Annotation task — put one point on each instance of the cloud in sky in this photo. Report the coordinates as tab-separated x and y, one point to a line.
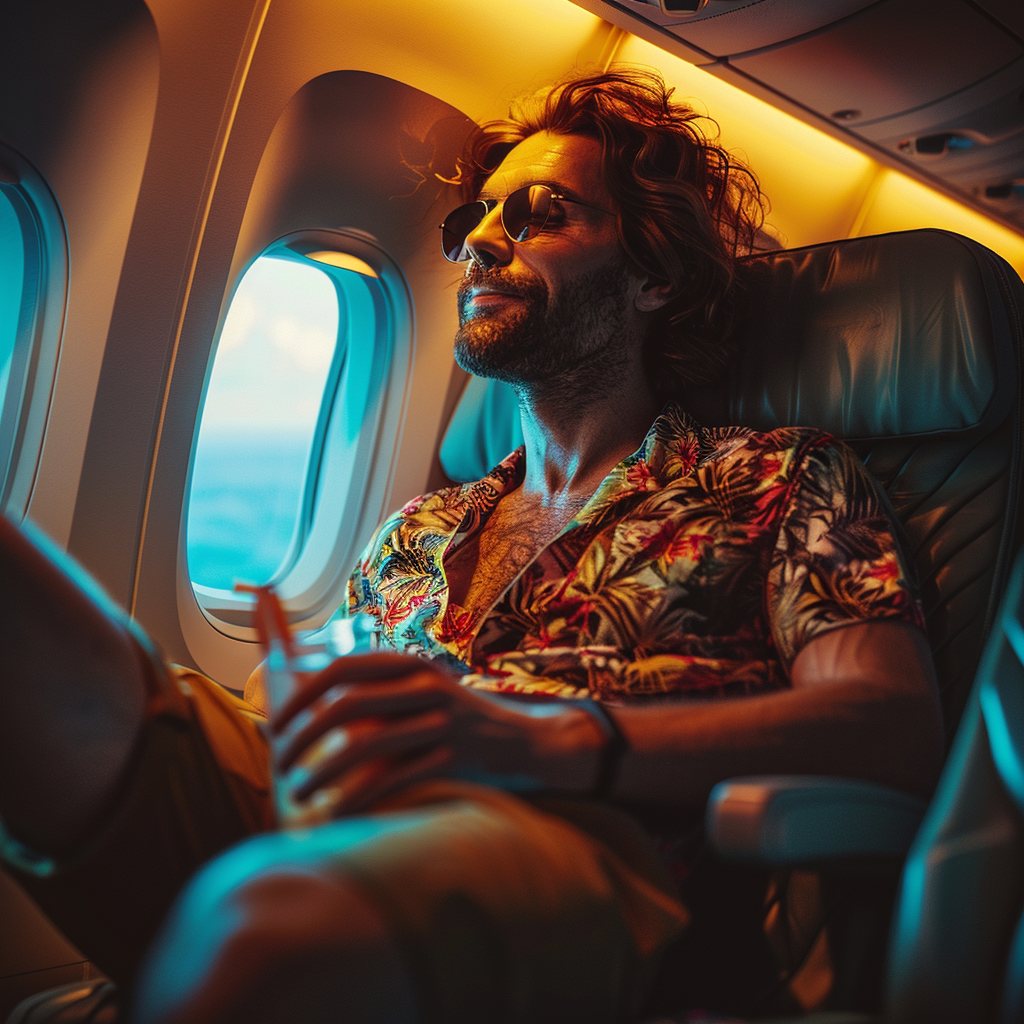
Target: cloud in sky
274	351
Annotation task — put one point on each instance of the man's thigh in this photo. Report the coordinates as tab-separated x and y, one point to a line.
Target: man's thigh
475	883
501	912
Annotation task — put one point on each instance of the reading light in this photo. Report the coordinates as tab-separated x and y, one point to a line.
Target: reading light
342	260
682	7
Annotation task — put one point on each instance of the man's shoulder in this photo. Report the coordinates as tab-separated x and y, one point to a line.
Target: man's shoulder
777	438
678	445
746	444
439	508
446	507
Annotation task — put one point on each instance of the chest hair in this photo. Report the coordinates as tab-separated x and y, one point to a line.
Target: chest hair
482	567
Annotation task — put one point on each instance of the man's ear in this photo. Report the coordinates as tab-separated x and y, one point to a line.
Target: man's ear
653	294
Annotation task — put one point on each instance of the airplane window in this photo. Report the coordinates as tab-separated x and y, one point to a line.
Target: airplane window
32	293
12	259
254	475
290	475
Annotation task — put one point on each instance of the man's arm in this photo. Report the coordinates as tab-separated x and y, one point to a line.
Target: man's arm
863	705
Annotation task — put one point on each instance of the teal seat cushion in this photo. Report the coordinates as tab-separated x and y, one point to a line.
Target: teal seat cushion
483	430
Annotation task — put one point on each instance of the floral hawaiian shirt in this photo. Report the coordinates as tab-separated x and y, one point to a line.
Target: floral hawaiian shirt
700	567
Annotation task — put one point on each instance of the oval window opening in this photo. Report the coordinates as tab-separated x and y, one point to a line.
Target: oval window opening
263	421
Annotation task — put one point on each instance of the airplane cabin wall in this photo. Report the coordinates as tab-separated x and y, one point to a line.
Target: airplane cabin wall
357	151
79	95
78	92
228	107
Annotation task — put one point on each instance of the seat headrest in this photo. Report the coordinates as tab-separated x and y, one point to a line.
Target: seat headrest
891	335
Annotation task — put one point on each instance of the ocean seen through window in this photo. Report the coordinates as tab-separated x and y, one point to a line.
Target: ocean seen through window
262	424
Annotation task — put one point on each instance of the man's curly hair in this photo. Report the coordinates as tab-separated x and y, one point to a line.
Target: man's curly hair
685	208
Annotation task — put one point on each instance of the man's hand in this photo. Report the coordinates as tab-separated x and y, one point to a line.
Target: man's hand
863	704
405	720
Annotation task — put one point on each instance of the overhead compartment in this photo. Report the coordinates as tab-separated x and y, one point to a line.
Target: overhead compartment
726	27
937	85
986	112
885	60
973	140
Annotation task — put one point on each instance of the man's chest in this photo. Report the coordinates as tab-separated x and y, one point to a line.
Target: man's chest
674	565
651	590
479	570
644	567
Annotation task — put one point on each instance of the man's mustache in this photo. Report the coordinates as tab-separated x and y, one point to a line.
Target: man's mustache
501	279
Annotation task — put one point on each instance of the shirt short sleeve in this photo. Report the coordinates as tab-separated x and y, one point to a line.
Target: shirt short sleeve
837	559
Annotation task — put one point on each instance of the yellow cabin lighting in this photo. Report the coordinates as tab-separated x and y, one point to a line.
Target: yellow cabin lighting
819	187
343	260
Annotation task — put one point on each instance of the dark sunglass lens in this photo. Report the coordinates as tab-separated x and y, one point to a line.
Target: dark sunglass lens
457	226
526	212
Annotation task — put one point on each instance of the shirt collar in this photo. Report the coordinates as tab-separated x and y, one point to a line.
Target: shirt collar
668	453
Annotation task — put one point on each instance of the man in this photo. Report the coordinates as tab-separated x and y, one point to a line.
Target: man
500	800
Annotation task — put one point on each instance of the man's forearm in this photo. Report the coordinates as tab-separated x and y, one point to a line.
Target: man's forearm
678	752
880	726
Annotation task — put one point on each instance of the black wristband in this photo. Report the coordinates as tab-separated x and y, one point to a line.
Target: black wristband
615	745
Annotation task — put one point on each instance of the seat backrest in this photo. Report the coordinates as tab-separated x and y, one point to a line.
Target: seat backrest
957	951
908	347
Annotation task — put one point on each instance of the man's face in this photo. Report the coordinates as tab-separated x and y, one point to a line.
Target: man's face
548	307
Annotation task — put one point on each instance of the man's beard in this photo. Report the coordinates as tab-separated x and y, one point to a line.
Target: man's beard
570	346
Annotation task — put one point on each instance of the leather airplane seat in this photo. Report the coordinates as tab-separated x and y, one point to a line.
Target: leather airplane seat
956	950
908	347
957	947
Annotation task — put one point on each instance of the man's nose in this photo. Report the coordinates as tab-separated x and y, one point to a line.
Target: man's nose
487	243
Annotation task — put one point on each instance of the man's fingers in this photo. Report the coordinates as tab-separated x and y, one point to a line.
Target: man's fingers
353	668
374	781
385	700
371	744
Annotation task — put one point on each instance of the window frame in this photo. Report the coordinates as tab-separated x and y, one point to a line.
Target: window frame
329	535
25	405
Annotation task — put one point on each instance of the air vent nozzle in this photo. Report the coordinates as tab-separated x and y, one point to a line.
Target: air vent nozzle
937	145
1005	190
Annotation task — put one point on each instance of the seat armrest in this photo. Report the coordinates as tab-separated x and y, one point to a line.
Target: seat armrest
802	819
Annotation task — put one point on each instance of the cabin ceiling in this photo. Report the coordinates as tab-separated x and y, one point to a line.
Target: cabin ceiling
936	85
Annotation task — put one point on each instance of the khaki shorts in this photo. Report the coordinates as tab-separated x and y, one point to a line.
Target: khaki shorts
566	899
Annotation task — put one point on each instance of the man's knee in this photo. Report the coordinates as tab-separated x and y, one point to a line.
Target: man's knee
259	936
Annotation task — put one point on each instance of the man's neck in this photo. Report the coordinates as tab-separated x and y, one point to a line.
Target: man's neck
572	446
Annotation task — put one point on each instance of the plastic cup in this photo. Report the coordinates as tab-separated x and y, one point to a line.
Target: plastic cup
286	673
291	659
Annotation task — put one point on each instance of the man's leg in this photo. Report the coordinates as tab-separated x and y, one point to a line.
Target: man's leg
72	696
450	903
293	941
118	776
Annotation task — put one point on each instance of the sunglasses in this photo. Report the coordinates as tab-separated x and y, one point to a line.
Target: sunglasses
524	214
